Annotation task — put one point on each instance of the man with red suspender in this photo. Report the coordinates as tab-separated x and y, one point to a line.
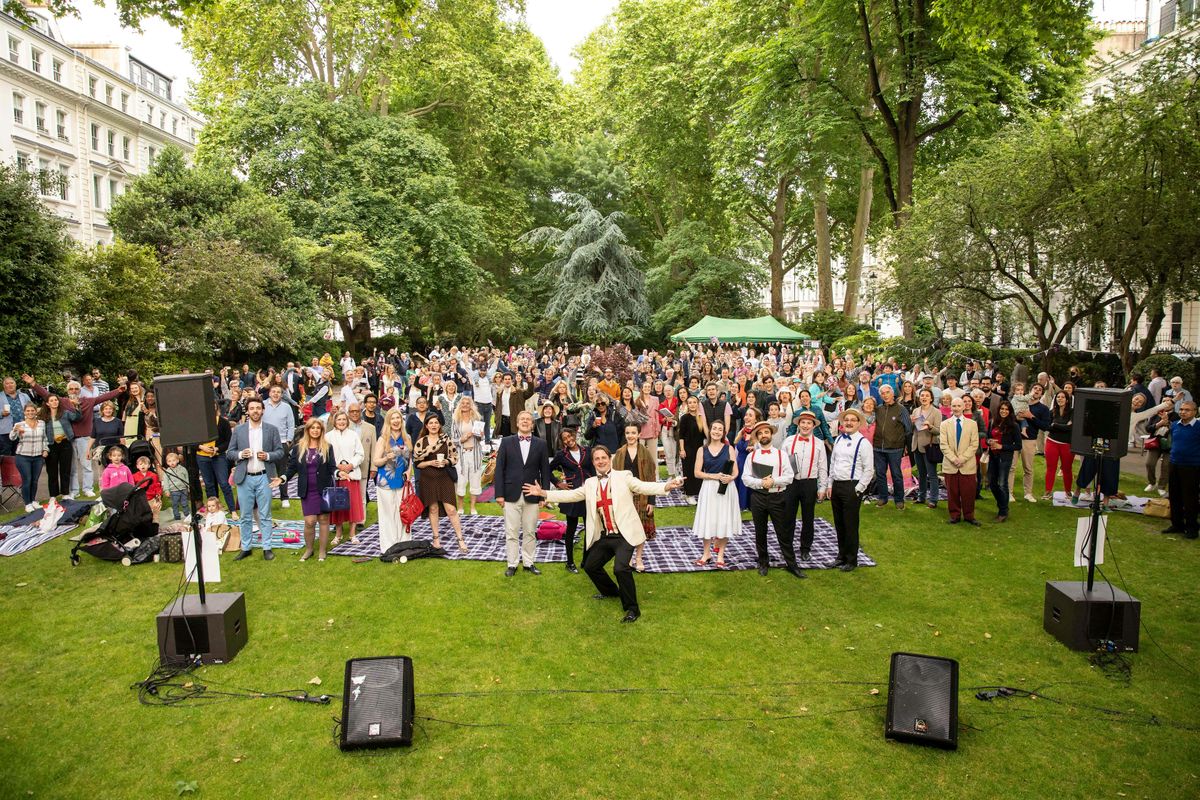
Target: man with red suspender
768	473
810	466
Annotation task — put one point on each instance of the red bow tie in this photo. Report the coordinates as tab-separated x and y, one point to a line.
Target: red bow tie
523	438
805	438
765	451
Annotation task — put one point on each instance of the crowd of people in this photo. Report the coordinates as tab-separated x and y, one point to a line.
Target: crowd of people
771	430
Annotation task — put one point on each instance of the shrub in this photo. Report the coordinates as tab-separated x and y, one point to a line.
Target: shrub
1168	366
859	344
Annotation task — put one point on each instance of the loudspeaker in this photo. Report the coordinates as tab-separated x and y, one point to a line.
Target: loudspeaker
1101	416
377	703
923	700
187	409
215	631
1084	620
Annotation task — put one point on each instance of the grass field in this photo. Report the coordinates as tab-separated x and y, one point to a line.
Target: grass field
754	687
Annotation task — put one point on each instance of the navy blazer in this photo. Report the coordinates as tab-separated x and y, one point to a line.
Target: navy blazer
240	440
298	465
512	474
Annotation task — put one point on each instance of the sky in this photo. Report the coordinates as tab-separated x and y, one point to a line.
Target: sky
561	24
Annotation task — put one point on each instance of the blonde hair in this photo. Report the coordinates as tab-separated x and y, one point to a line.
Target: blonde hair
473	413
306	441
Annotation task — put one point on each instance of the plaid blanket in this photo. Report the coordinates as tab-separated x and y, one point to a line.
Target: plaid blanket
294	489
280	530
1131	504
22	538
674	549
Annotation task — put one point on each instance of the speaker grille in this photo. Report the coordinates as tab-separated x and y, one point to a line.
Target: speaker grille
923	700
377	702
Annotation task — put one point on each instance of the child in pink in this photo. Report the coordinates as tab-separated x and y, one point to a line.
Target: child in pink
116	472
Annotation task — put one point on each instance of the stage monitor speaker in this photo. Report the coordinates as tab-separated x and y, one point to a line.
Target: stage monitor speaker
1100	418
377	703
923	700
187	409
215	630
1084	620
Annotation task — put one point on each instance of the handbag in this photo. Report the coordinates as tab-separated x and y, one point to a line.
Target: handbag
411	508
489	471
648	526
1158	507
335	498
933	452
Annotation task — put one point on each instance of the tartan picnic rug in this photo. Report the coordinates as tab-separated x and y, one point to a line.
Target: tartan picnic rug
22	538
281	529
1131	503
294	489
673	500
674	549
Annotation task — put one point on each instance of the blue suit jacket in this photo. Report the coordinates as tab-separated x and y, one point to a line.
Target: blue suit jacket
240	440
512	473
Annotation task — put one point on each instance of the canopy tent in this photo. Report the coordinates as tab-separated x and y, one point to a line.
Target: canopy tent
739	331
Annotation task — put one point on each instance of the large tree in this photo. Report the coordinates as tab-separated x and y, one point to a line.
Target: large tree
599	290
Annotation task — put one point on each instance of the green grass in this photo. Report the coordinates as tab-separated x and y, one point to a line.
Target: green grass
802	658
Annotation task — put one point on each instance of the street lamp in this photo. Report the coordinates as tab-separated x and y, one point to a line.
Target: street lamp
871	278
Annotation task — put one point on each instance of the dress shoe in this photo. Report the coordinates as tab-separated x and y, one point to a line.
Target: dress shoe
241	555
953	521
598	596
571	568
533	568
794	570
508	573
762	569
631	616
881	503
805	555
839	561
899	506
268	555
974	522
848	567
1171	529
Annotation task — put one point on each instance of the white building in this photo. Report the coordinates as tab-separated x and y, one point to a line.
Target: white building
800	297
86	118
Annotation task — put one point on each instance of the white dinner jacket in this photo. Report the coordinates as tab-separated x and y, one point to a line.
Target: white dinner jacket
621	488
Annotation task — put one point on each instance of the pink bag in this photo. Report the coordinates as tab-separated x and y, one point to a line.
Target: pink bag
551	530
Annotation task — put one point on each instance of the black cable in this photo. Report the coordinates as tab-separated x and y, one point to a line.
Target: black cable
1114	713
656	720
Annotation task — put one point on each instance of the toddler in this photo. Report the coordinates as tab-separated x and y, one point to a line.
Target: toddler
1020	403
175	482
154	490
116	472
213	515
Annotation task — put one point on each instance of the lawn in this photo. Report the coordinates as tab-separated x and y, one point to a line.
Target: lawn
748	686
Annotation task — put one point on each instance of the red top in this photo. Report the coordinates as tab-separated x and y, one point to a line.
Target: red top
154	489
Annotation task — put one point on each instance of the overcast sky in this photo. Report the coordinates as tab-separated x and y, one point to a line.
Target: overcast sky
561	24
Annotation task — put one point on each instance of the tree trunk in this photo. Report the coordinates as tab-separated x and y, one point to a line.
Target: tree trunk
355	332
1155	322
906	157
858	240
778	228
824	246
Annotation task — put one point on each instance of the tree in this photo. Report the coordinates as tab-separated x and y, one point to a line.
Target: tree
33	284
342	271
122	306
689	280
599	291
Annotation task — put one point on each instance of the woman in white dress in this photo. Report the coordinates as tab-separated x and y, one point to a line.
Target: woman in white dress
718	516
466	431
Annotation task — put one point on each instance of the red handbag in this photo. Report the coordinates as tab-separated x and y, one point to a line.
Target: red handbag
411	507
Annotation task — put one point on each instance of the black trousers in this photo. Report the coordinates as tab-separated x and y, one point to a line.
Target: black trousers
802	497
603	550
282	470
773	505
1184	486
846	507
59	458
569	537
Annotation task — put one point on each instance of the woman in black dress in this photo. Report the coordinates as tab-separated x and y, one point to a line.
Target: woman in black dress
692	432
433	455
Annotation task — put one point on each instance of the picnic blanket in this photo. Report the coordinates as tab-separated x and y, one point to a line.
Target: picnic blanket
294	489
674	549
282	529
22	538
1131	504
74	512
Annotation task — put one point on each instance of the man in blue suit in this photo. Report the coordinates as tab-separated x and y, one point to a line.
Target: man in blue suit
254	450
522	458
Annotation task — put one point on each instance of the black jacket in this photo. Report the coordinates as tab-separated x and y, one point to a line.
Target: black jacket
298	465
512	474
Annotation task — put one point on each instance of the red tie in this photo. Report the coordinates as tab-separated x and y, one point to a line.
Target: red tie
523	438
605	506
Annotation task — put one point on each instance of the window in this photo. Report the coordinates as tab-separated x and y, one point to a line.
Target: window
43	177
125	147
22	161
60	123
151	153
64	182
174	125
96	199
1176	323
162	120
96	137
18	108
39	115
14	50
149	113
114	189
108	93
92	85
56	69
112	144
125	102
35	59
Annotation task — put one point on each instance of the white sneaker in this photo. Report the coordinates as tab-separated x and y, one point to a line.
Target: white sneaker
285	503
88	495
30	507
1162	492
691	501
254	529
188	519
68	497
1030	498
1149	487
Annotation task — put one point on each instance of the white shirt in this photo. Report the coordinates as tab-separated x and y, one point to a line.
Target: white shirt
807	457
255	464
505	394
525	444
843	466
781	469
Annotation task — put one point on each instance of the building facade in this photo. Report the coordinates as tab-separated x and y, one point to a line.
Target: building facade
85	119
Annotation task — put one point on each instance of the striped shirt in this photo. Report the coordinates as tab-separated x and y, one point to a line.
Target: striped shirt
33	443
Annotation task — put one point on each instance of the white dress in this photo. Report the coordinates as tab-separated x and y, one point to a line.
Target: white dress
718	516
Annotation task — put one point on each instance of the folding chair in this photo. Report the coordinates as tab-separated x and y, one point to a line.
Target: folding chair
10	481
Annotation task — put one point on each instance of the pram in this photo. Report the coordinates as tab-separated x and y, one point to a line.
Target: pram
129	529
139	448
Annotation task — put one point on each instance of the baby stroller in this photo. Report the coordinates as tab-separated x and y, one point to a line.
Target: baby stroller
129	528
139	448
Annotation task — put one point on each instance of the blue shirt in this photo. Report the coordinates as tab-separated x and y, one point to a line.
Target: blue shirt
1185	444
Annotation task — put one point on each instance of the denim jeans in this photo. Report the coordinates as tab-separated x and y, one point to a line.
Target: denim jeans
928	476
999	466
30	468
485	411
883	460
214	471
82	475
179	504
255	492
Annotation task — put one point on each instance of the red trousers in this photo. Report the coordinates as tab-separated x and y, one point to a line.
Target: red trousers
1058	454
961	491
